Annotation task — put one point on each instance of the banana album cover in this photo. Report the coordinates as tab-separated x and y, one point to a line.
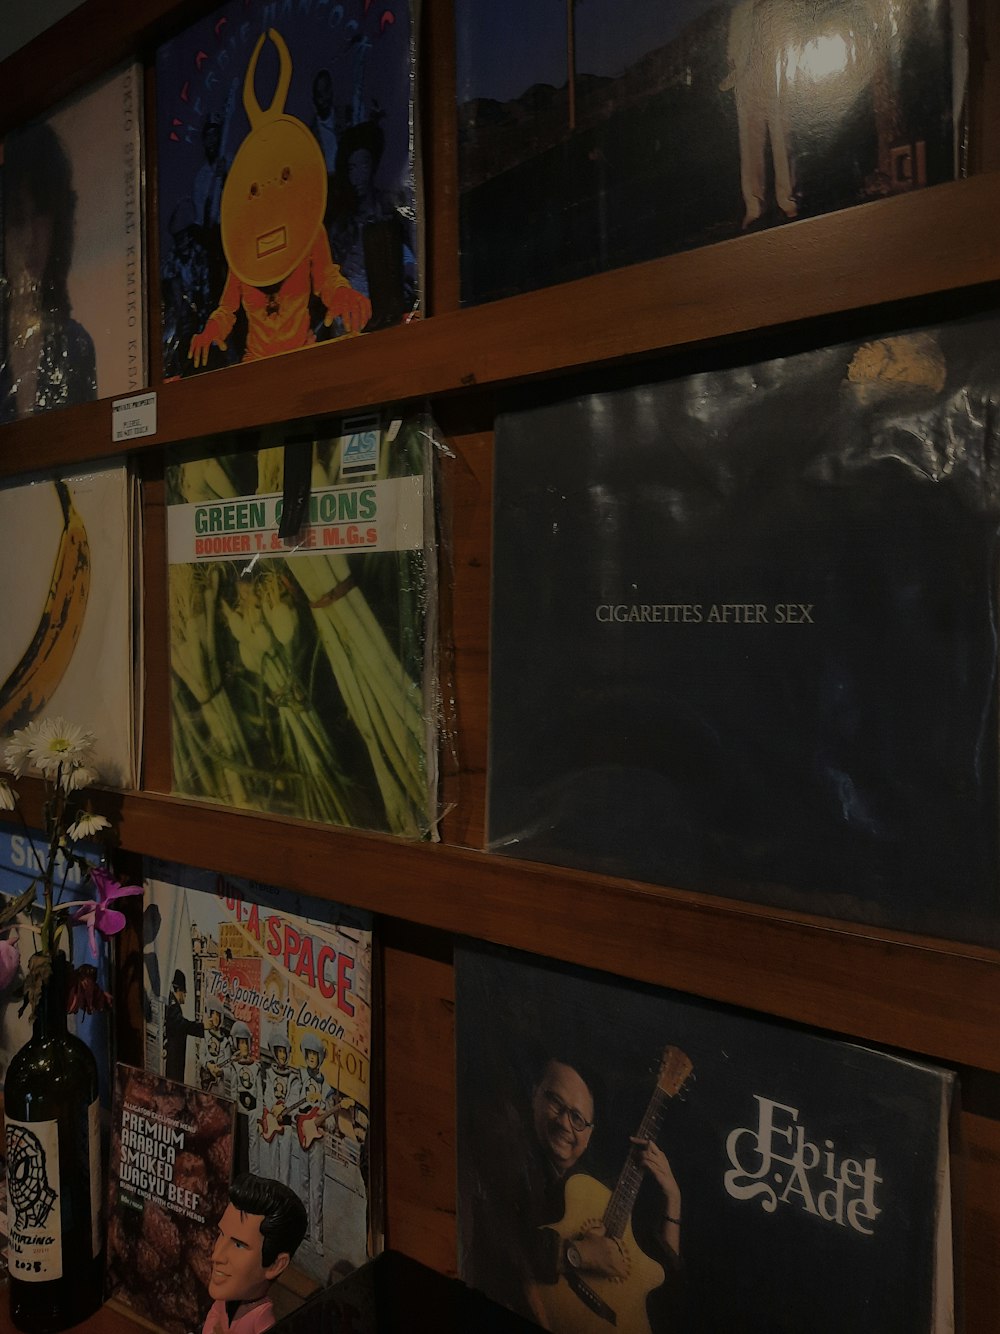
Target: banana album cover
288	181
72	642
265	996
744	627
596	135
73	313
633	1159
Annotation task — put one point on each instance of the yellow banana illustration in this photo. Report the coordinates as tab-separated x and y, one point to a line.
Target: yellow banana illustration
33	681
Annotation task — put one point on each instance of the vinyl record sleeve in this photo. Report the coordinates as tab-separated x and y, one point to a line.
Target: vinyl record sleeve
73	250
72	646
808	1180
744	630
21	854
283	172
303	662
596	135
277	1015
169	1170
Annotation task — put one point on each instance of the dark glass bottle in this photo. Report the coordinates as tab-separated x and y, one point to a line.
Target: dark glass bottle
54	1179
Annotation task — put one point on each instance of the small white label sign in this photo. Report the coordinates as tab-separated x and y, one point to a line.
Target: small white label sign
133	417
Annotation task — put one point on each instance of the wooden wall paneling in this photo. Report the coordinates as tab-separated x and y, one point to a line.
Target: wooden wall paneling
984	82
155	613
978	1223
440	176
466	521
419	1007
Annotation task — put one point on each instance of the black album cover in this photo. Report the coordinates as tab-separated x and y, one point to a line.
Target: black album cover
636	1160
744	630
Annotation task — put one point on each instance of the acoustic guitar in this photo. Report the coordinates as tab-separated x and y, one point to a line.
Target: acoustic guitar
584	1303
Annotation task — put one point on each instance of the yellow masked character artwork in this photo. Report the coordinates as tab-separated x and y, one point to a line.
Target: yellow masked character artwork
273	236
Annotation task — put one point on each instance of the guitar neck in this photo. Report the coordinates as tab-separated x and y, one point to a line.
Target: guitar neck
619	1208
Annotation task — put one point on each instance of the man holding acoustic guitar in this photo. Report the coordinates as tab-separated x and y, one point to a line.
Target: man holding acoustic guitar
554	1243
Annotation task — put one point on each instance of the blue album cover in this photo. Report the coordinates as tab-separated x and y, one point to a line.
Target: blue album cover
21	855
287	195
634	1159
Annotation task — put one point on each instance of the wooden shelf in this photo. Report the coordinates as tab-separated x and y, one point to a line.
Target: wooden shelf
892	251
935	997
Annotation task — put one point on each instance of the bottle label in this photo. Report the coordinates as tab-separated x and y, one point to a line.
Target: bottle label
34	1206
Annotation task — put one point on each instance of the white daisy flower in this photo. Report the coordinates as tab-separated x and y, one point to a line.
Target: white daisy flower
59	742
7	799
79	776
87	825
17	754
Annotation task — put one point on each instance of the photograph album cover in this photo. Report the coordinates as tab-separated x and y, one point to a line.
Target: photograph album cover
73	312
596	135
633	1159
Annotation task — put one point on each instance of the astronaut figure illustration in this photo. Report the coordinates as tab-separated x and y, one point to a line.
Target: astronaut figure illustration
273	237
282	1093
247	1087
307	1150
216	1054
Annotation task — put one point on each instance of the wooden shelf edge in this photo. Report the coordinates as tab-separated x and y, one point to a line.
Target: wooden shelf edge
915	245
868	983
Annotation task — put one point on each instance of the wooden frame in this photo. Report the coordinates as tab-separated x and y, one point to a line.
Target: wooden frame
904	255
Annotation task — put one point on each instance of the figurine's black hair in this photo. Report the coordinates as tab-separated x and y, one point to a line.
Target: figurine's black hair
284	1222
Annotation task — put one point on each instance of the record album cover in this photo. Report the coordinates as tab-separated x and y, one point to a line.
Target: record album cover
634	1159
265	997
744	629
287	182
72	645
74	322
601	134
22	853
303	588
168	1178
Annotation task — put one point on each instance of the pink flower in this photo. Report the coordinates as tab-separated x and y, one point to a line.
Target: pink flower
109	921
10	960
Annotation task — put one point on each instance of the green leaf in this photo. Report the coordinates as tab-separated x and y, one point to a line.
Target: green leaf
12	907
